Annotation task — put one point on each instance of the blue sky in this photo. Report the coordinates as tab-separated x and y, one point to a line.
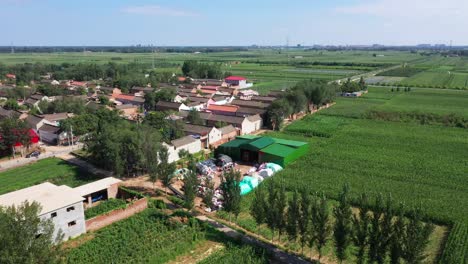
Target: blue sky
238	22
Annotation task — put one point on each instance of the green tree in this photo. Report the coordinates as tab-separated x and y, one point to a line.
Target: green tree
14	131
191	184
386	230
293	215
280	205
104	100
361	228
398	237
417	237
375	230
209	193
165	168
150	148
362	84
11	104
321	220
303	220
194	117
259	207
271	212
25	237
343	224
276	113
231	192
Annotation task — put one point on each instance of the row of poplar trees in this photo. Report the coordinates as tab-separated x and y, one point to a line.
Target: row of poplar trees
377	233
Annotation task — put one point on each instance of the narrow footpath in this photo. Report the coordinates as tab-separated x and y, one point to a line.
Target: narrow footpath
277	254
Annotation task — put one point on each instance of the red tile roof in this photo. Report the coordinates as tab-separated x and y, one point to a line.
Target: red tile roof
210	87
10	76
123	96
235	78
78	83
224	108
208	91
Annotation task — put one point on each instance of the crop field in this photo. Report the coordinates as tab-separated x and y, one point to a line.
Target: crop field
440	102
417	164
439	79
253	56
54	170
434	72
147	237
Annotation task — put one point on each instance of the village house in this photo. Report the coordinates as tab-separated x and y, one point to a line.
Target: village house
60	204
228	133
10	76
250	104
35	121
33	100
55	135
264	99
227	110
170	106
128	99
54	119
237	81
128	111
143	90
247	111
246	125
187	143
4	113
207	135
96	191
109	90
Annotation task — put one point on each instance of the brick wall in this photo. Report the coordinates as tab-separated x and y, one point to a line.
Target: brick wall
113	190
101	221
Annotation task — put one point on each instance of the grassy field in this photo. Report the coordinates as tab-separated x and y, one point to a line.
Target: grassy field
268	69
417	164
54	170
433	71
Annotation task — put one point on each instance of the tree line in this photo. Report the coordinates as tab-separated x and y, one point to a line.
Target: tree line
377	233
122	75
203	70
304	96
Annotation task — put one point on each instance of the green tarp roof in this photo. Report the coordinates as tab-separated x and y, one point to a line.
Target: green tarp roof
278	150
259	143
291	143
235	143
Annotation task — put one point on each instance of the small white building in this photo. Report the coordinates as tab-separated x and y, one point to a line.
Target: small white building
61	204
187	143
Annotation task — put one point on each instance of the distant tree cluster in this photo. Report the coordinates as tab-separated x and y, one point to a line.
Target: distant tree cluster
350	87
123	147
114	74
12	131
379	232
202	70
304	95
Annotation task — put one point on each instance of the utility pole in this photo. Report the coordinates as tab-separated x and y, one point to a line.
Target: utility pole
153	54
71	132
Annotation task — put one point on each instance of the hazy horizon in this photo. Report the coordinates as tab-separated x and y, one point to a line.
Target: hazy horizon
241	23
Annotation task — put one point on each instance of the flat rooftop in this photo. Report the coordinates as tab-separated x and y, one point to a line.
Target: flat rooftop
50	196
96	186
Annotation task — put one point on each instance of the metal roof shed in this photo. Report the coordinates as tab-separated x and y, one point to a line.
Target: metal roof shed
282	154
232	148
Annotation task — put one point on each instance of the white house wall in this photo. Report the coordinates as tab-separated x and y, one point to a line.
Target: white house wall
215	135
173	152
63	218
